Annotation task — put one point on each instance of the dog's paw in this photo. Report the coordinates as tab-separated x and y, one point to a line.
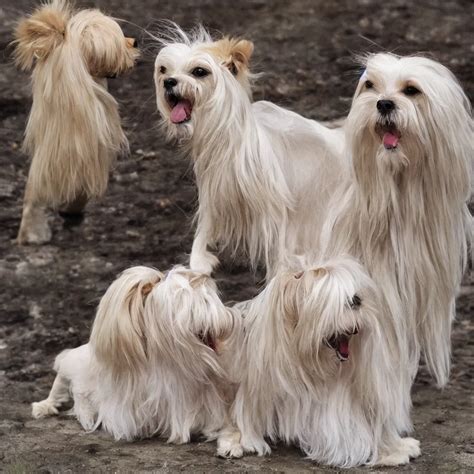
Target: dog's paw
85	412
203	262
393	459
35	233
43	409
87	420
411	446
228	445
259	447
230	450
407	448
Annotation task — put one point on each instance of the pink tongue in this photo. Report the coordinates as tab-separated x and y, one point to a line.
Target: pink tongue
390	140
181	111
344	347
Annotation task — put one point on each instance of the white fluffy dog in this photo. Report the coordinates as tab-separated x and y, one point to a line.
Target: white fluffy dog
264	174
73	133
153	363
317	369
403	212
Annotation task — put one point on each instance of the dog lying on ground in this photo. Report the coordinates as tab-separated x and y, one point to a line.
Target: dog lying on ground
154	362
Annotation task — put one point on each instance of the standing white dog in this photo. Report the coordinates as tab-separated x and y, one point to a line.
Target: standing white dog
153	365
403	212
318	369
264	174
74	132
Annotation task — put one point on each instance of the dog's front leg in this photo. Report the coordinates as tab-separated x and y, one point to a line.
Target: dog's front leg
228	443
201	259
399	453
34	227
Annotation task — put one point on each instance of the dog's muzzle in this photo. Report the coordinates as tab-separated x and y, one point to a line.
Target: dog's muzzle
340	343
181	108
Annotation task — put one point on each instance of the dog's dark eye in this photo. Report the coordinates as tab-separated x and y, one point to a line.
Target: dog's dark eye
411	90
162	69
199	72
369	84
233	69
356	302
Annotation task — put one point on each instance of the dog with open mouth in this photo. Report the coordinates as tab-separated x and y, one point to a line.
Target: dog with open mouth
264	174
74	130
403	211
154	362
317	369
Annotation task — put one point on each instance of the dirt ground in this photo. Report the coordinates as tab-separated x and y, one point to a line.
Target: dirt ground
49	294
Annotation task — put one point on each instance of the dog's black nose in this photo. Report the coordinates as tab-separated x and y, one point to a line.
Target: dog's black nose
170	82
385	106
135	43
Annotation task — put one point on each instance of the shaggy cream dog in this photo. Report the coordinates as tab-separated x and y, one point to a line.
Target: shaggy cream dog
73	133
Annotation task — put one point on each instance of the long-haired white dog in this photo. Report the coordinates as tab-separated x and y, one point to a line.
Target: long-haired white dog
404	212
74	132
153	365
318	371
263	172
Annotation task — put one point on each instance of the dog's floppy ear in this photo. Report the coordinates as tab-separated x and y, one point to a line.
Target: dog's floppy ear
40	33
241	52
118	334
235	53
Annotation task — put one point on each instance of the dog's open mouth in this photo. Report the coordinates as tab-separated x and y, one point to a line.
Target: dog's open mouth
181	108
340	343
389	134
207	340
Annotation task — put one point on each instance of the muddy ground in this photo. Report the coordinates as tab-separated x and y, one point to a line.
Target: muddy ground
48	294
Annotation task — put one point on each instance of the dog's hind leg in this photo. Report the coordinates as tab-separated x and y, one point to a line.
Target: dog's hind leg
34	227
58	395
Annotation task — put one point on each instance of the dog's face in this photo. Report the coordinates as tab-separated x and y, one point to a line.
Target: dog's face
187	322
324	308
194	79
401	108
106	50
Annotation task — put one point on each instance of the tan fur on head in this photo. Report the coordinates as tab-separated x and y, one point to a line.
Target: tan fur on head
233	53
119	334
74	131
40	33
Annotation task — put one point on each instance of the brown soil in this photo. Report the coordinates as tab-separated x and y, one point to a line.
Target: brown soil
49	293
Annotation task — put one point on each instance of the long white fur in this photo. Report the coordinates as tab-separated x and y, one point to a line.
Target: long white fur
257	165
145	371
74	131
404	212
294	388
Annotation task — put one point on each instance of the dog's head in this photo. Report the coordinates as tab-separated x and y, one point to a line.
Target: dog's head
323	308
90	36
106	50
187	323
195	76
405	112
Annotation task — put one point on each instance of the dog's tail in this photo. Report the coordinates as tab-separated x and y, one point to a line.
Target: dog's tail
118	333
40	33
